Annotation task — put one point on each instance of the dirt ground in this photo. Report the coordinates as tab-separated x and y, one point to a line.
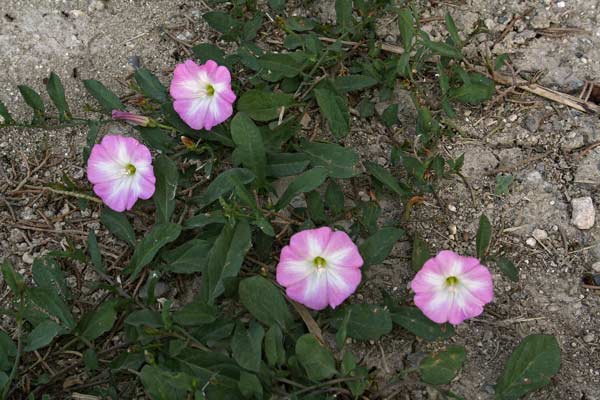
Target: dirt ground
548	148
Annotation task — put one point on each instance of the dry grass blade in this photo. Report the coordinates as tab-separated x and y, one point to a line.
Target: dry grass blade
310	322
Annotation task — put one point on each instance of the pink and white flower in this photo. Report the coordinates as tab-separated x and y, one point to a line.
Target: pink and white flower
120	168
452	288
319	267
202	93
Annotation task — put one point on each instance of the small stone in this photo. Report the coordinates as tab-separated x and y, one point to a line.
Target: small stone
553	308
531	242
584	214
561	4
596	266
451	207
76	13
540	235
513	118
96	5
532	123
27	258
589	338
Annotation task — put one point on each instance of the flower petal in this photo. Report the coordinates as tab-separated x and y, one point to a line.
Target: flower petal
189	81
479	283
102	167
342	251
312	291
341	283
116	194
193	111
435	305
310	243
293	269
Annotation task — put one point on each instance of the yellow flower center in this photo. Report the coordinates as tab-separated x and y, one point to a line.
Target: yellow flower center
130	169
451	281
210	89
319	262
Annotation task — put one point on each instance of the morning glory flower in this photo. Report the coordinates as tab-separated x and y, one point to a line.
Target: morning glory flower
202	93
452	288
131	118
319	267
120	168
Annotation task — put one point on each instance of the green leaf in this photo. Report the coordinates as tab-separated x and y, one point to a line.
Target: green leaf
378	246
281	63
96	323
167	177
224	184
118	225
352	83
147	318
225	259
508	268
305	182
300	24
33	100
195	313
107	99
92	247
203	219
451	26
47	274
207	51
250	386
263	105
441	368
156	138
161	384
41	335
342	331
334	197
274	349
500	61
50	303
502	184
343	16
90	360
6	117
90	139
484	236
386	178
265	302
477	90
530	367
246	346
249	146
340	162
149	245
420	253
13	279
56	91
366	321
251	27
286	164
443	49
335	110
414	321
221	22
317	361
150	85
189	258
315	206
390	115
407	30
8	351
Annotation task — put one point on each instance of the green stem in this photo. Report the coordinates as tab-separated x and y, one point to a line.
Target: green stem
15	368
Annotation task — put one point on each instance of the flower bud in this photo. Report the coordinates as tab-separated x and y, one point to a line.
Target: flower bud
133	119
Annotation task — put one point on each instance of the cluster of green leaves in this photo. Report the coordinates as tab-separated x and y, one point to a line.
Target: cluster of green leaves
251	183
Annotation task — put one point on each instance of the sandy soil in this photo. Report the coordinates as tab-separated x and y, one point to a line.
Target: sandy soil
549	149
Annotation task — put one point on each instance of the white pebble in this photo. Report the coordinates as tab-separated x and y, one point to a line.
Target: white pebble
584	214
531	242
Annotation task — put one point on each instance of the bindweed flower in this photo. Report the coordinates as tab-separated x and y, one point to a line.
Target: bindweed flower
319	267
120	168
202	93
452	288
133	119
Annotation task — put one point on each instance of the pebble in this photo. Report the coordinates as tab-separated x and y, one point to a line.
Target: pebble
531	242
76	13
589	338
96	5
596	266
561	4
584	214
513	118
27	258
540	235
451	207
553	308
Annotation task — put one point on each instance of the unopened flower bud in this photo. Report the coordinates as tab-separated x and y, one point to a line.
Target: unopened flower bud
133	119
